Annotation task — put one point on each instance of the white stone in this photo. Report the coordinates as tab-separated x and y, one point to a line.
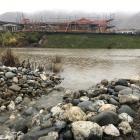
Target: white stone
125	117
69	93
125	127
43	77
82	129
111	130
56	110
15	80
18	100
12	117
84	98
2	108
74	114
1	73
11	106
54	135
8	136
90	115
41	111
107	107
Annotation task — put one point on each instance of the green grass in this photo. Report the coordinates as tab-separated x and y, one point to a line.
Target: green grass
92	41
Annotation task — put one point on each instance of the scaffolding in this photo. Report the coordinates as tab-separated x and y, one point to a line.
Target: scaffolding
66	25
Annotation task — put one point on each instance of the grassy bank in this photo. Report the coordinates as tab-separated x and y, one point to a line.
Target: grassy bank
92	41
70	40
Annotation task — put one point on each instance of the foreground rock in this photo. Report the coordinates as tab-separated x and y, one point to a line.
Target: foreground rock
111	130
125	127
74	114
106	111
84	129
105	118
129	95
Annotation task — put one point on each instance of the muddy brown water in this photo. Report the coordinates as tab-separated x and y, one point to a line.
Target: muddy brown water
83	68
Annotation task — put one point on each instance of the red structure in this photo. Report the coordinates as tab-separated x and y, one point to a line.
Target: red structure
87	25
82	25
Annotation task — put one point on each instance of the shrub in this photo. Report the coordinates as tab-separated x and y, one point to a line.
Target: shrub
57	64
32	37
8	58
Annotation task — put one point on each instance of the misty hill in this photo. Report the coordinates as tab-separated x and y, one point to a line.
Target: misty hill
121	20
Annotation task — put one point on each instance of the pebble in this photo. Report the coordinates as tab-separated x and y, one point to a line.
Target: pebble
84	98
12	117
18	100
56	110
53	134
111	130
2	108
104	82
11	106
125	127
43	77
125	117
15	80
10	75
15	87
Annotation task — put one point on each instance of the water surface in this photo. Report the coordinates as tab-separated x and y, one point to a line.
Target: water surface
84	67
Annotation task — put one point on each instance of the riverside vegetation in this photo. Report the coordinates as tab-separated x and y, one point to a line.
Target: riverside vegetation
47	40
109	110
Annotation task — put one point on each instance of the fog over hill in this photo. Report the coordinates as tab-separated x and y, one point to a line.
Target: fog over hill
121	20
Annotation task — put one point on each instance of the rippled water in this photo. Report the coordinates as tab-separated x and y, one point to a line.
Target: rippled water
84	67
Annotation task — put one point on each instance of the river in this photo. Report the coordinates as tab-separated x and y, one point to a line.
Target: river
83	68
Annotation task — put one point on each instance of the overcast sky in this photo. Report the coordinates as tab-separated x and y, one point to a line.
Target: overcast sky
108	6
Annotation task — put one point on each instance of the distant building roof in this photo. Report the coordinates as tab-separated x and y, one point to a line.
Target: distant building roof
88	21
12	25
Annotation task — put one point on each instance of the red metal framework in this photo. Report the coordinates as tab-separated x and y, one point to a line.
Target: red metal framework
69	26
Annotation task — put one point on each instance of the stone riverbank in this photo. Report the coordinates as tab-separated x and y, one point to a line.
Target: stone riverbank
110	110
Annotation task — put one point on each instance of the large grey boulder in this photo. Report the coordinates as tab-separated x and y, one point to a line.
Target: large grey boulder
122	82
86	106
119	88
91	106
105	118
127	109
